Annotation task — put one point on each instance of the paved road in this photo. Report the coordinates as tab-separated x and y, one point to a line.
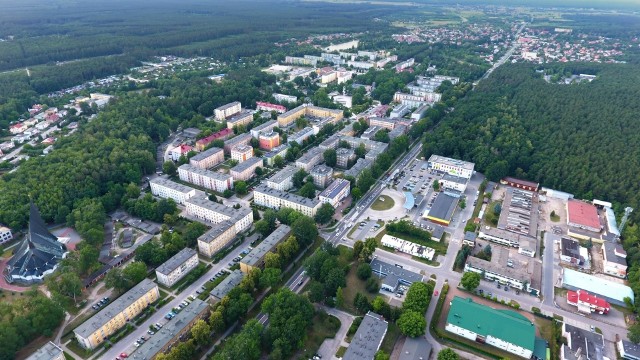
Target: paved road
330	346
507	55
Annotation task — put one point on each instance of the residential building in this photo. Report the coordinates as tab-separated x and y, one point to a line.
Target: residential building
276	199
255	258
400	111
246	169
386	123
179	151
451	166
168	189
469	239
220	135
269	140
307	110
628	350
191	132
583	215
212	212
615	260
336	192
408	247
505	329
405	64
227	284
570	252
264	106
280	150
177	267
217	238
613	292
322	175
587	303
5	234
453	182
49	351
283	179
243	118
18	128
116	315
223	112
353	44
285	98
357	168
345	157
37	255
410	100
442	209
294	60
172	332
330	143
300	136
241	153
393	276
520	184
208	158
370	132
207	179
420	112
368	338
242	139
310	159
266	127
581	344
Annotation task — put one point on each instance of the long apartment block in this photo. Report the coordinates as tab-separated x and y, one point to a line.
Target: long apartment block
276	199
168	189
212	212
255	258
283	179
208	158
177	267
217	238
205	178
114	316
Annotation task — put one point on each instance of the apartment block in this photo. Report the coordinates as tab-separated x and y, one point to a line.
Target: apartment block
223	112
49	351
386	123
168	189
344	156
114	316
285	98
217	238
280	150
288	118
255	258
322	175
269	140
242	153
264	106
177	267
246	169
357	168
336	192
283	179
244	117
5	234
226	285
208	158
223	134
310	159
242	139
300	136
266	127
212	212
276	199
204	178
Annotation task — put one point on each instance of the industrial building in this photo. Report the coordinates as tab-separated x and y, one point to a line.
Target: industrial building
408	247
581	344
393	276
520	184
613	292
583	215
442	209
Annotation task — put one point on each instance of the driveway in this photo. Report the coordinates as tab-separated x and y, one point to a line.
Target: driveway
330	346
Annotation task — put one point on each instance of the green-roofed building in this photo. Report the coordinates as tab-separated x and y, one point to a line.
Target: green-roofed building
504	329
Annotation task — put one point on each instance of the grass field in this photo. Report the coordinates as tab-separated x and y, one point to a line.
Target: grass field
324	327
383	202
354	286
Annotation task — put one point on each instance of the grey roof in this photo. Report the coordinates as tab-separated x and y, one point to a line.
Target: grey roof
239	116
320	170
219	208
176	260
287	196
415	349
470	236
610	252
452	162
498	265
367	339
590	344
191	132
47	352
216	231
246	137
310	155
330	143
226	106
204	172
335	188
116	307
266	125
284	174
344	152
357	168
247	164
275	151
205	154
242	148
172	185
170	330
392	275
631	350
398	130
444	206
227	284
570	247
269	243
453	178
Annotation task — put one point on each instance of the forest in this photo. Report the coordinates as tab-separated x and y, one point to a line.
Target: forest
580	138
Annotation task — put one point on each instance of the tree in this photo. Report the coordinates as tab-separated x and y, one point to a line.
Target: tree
305	230
412	323
216	321
69	284
381	355
360	151
372	285
298	177
262	227
308	190
278	162
324	213
241	187
361	303
356	194
364	271
272	260
335	278
201	333
339	297
330	157
357	248
436	185
418	297
470	280
368	249
244	345
270	277
448	354
316	292
634	333
289	317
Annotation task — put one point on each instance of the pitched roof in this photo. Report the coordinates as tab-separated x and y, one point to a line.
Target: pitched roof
506	325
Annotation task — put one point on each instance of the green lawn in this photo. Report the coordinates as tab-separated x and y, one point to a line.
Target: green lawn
324	327
393	333
341	351
354	286
383	202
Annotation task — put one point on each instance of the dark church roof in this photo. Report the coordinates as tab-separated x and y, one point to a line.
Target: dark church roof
39	251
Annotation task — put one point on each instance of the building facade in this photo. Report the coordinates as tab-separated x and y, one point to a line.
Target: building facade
242	139
217	238
246	169
242	153
209	211
168	189
208	158
266	127
615	260
204	178
451	166
276	199
177	267
5	234
310	159
223	112
243	118
322	175
288	118
283	179
223	134
269	140
336	192
255	258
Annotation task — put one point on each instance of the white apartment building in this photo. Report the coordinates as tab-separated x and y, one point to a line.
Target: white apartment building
5	234
212	212
276	199
241	153
217	238
208	158
338	190
382	122
227	110
310	159
266	127
204	178
285	98
168	189
246	169
451	166
283	179
177	267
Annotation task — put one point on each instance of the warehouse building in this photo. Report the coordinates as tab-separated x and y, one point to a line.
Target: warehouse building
611	291
442	209
582	215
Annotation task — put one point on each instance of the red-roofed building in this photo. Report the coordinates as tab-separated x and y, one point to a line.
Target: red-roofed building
180	150
520	184
582	215
222	135
17	128
264	106
587	303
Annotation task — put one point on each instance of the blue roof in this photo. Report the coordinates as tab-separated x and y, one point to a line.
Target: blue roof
410	200
596	285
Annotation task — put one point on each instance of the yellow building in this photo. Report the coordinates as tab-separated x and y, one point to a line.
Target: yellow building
215	239
115	315
288	118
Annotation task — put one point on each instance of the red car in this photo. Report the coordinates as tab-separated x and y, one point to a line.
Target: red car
124	355
435	293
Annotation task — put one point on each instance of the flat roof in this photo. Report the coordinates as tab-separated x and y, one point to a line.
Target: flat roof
451	162
582	213
506	325
250	162
591	343
455	179
226	106
285	174
521	182
205	154
276	151
368	338
631	349
176	260
570	247
268	244
242	148
301	200
596	285
172	185
228	283
204	172
310	155
105	315
169	331
357	168
216	231
47	352
335	188
238	139
392	275
240	116
321	170
219	208
443	207
268	124
415	349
